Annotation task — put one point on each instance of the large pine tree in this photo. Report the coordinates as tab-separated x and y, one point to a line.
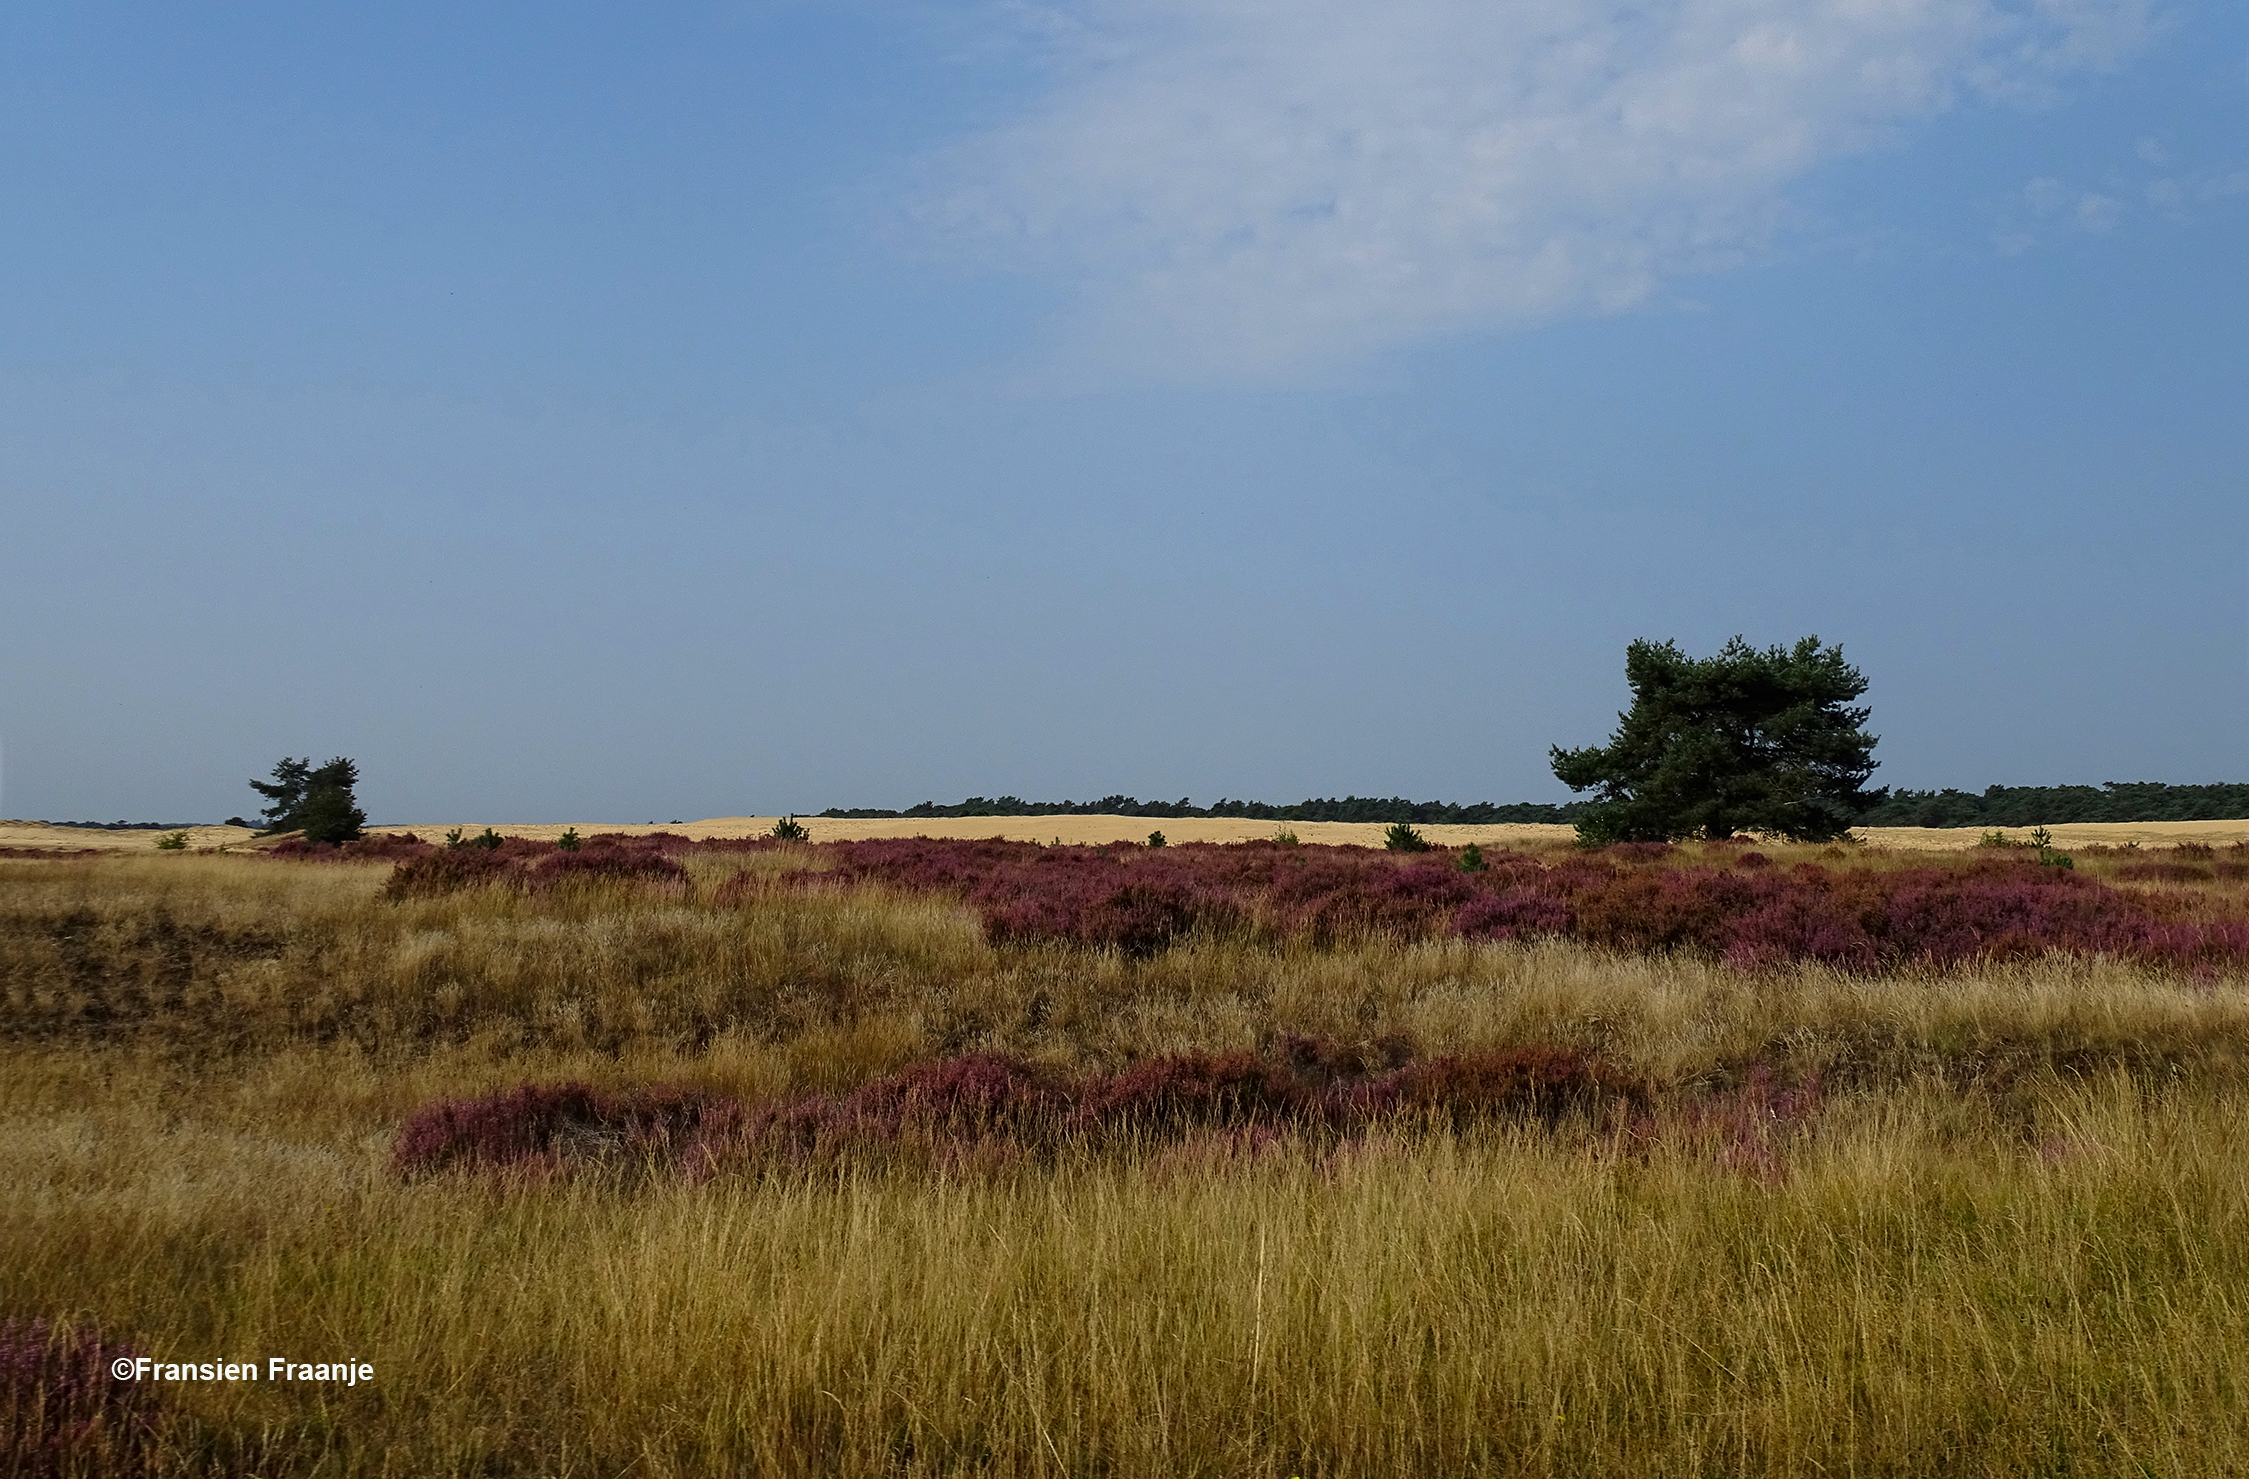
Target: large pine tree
318	803
1747	740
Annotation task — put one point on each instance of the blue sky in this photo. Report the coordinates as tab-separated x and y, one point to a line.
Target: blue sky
632	413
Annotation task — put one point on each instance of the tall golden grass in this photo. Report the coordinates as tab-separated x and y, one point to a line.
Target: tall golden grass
2013	1239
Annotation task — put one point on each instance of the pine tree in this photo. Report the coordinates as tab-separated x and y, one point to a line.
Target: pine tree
1745	740
286	795
318	802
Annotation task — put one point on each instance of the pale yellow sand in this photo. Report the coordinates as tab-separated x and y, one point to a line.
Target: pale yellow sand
1125	829
34	834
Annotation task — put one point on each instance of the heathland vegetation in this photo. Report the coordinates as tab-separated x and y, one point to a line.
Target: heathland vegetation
928	1158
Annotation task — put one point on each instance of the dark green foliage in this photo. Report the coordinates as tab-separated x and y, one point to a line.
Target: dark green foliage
318	803
1156	839
1403	838
2048	857
2033	806
1759	740
172	842
1471	859
1348	809
568	841
285	794
331	815
789	829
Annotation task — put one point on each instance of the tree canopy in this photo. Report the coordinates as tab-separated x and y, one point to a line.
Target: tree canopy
318	802
1746	740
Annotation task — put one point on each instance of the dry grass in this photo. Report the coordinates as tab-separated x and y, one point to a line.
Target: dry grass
2012	1241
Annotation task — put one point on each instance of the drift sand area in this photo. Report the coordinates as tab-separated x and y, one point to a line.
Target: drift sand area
1102	829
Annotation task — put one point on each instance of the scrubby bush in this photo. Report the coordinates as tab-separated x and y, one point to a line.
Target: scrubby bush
993	1108
531	866
172	842
539	1130
444	871
1401	837
597	864
789	829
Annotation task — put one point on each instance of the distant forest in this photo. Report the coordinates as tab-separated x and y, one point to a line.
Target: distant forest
2035	806
1996	806
1349	809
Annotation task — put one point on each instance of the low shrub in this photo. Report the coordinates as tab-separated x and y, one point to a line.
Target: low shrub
444	871
602	864
529	866
991	1109
1190	1091
1746	1126
1401	837
543	1130
370	847
1543	1085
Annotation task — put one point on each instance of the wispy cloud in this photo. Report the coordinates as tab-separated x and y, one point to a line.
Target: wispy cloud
1263	186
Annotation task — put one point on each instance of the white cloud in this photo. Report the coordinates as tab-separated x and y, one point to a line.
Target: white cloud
1263	186
2027	215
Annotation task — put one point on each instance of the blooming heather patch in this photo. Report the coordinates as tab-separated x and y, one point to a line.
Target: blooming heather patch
62	1412
530	866
445	871
594	864
541	1130
1748	1126
1633	898
990	1109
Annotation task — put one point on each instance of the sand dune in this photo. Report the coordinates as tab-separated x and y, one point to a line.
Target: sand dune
1118	829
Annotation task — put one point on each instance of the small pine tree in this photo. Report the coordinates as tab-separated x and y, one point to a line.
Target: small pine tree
1156	839
1471	859
1403	838
568	841
789	829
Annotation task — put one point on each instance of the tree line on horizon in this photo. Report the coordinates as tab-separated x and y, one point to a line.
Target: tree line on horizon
2042	806
1995	806
1330	809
